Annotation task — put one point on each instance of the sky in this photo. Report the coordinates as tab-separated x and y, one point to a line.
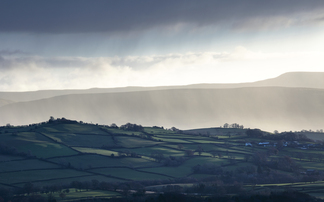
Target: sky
81	44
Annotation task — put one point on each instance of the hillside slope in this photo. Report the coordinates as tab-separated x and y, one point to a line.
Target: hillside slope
5	102
291	79
267	108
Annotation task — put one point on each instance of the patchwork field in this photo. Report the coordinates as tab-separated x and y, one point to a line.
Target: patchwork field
65	154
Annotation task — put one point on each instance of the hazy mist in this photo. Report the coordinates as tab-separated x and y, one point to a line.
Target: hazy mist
268	108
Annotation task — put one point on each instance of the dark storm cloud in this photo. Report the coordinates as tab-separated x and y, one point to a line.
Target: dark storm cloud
79	16
12	52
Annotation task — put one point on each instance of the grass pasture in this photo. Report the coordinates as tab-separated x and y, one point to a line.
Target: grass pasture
117	131
131	142
130	174
208	141
47	150
315	188
160	187
177	172
173	140
311	165
62	153
216	131
201	176
69	180
91	140
22	138
4	158
95	151
156	131
86	161
27	164
137	162
85	195
147	151
36	145
72	128
91	161
38	175
314	135
203	160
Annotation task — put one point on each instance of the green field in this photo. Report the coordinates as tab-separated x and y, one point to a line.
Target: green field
38	175
9	158
73	128
177	172
147	151
127	173
95	151
60	153
131	142
72	139
90	161
66	181
25	165
83	194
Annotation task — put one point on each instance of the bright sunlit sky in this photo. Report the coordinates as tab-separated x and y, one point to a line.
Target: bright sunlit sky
79	44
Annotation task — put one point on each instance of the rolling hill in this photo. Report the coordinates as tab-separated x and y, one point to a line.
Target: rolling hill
84	160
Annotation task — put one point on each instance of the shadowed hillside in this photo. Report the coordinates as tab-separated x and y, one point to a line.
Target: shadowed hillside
268	108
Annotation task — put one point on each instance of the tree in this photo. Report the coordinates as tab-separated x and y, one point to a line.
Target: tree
199	150
158	156
246	157
28	188
214	153
174	129
226	125
51	119
280	145
62	195
51	198
95	184
254	133
132	127
300	156
189	152
113	125
180	146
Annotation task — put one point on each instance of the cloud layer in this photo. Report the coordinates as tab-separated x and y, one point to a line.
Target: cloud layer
28	72
84	16
108	43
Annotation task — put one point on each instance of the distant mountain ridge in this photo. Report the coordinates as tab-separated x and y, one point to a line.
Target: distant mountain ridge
292	101
268	108
5	102
291	79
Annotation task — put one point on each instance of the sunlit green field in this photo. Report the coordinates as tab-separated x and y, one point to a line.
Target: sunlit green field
83	194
